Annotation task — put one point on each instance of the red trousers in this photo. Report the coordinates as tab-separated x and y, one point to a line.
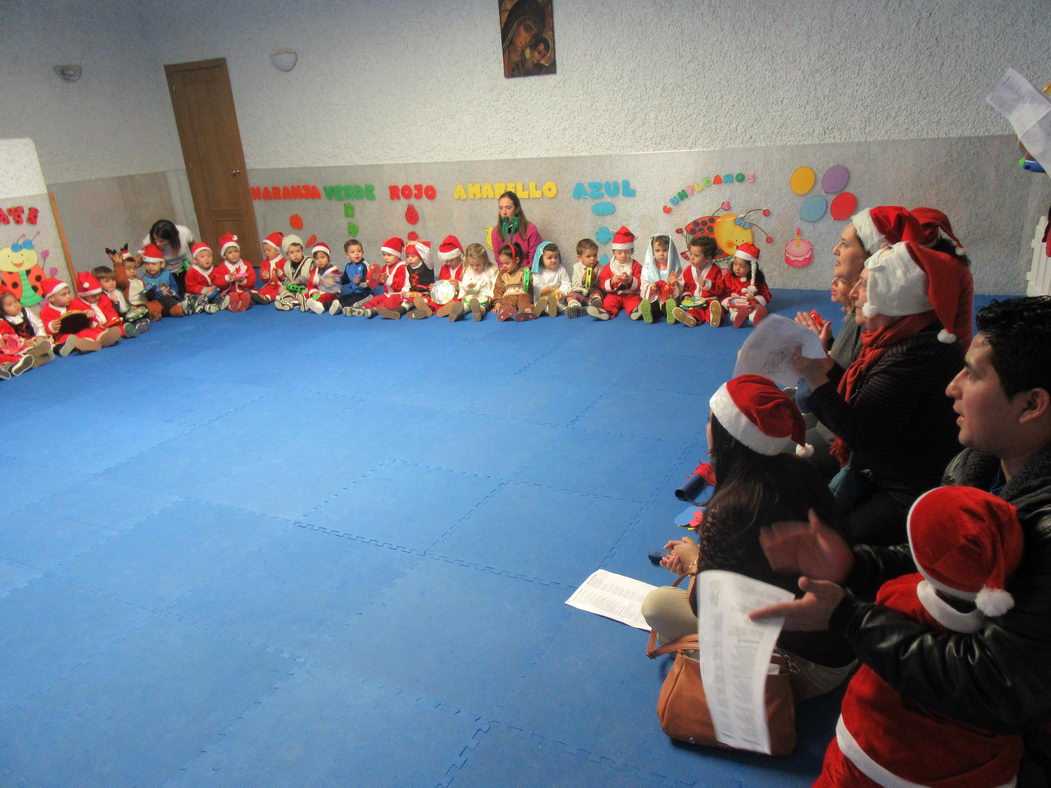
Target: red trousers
614	303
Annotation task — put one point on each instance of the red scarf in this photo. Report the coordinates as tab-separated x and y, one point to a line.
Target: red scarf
873	345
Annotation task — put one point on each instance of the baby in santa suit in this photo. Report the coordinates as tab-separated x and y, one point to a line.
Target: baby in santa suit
274	269
620	279
965	542
89	289
234	277
59	299
703	285
747	292
393	277
202	295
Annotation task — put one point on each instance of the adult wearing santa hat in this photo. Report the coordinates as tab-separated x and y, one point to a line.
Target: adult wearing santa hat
756	439
895	429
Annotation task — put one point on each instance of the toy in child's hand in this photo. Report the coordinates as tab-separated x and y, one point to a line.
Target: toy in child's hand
818	320
12	344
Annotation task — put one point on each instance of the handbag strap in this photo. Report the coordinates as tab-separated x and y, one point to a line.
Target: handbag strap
685	643
651	651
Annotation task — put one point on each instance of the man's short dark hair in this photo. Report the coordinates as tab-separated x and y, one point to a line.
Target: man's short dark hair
1018	331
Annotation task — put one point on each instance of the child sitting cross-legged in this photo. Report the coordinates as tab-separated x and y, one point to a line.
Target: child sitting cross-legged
294	286
476	286
158	283
445	292
550	281
70	321
137	315
24	324
660	279
354	288
620	280
421	276
703	284
202	294
234	277
584	285
511	294
102	311
273	270
392	277
323	283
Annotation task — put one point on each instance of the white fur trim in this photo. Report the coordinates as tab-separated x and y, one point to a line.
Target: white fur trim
944	613
871	238
804	451
388	250
745	256
946	337
56	289
897	286
760	299
869	310
225	246
743	429
622	246
994	601
447	256
268	242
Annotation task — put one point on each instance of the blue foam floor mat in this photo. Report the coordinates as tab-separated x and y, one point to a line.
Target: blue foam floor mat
289	549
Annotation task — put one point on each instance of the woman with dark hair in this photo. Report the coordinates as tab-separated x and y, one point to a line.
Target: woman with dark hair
513	227
755	433
174	240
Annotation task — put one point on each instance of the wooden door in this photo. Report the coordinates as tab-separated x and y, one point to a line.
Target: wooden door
211	147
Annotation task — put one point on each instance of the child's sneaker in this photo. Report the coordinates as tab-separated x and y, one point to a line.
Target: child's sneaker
68	346
739	317
636	313
715	313
335	308
419	314
574	310
598	312
211	309
284	303
389	314
477	312
225	303
130	330
144	324
525	315
455	311
684	317
506	313
316	306
421	309
552	307
5	370
349	311
446	309
669	311
758	315
20	366
540	306
646	310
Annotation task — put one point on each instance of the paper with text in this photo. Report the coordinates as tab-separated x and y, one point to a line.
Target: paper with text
613	596
769	350
1028	111
735	655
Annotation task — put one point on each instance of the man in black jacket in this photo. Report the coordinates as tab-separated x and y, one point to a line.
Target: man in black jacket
998	678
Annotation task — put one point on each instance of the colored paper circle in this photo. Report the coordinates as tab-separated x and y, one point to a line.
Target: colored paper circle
813	208
603	235
295	221
843	206
835	179
802	180
603	208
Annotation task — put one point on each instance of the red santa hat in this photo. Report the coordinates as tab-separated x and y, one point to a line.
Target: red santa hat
274	239
450	249
321	246
226	241
966	542
749	252
761	416
934	224
885	224
52	285
394	246
422	250
908	279
198	248
623	239
151	253
88	283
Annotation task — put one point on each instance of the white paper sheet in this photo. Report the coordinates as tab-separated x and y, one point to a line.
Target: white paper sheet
1028	111
769	350
613	596
735	655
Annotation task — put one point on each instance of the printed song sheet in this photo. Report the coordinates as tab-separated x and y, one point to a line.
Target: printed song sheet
1028	111
735	655
769	350
613	596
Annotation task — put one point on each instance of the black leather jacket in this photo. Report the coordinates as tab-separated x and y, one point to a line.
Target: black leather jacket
996	679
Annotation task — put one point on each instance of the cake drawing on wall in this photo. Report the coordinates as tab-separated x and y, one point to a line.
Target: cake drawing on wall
527	32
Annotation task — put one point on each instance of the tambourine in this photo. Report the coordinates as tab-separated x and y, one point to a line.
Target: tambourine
136	313
740	302
295	288
73	321
11	344
443	291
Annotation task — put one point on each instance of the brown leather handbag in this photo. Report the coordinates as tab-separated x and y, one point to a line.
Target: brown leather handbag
682	707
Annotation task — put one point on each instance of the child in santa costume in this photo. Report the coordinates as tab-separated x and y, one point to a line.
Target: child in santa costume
323	283
703	285
24	324
89	290
661	279
965	542
234	277
59	300
294	286
620	280
14	356
202	294
274	269
445	298
551	283
512	293
354	289
476	286
584	283
746	292
418	304
393	278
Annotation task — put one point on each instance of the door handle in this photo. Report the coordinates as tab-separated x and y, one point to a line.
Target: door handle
235	172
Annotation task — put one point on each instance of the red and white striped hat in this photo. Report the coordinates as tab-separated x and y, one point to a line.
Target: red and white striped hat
761	416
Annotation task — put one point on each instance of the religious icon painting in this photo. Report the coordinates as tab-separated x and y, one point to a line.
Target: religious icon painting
528	37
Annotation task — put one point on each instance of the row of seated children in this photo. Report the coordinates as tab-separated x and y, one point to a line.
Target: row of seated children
406	282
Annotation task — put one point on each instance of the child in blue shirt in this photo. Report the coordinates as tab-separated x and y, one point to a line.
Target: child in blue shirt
355	289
